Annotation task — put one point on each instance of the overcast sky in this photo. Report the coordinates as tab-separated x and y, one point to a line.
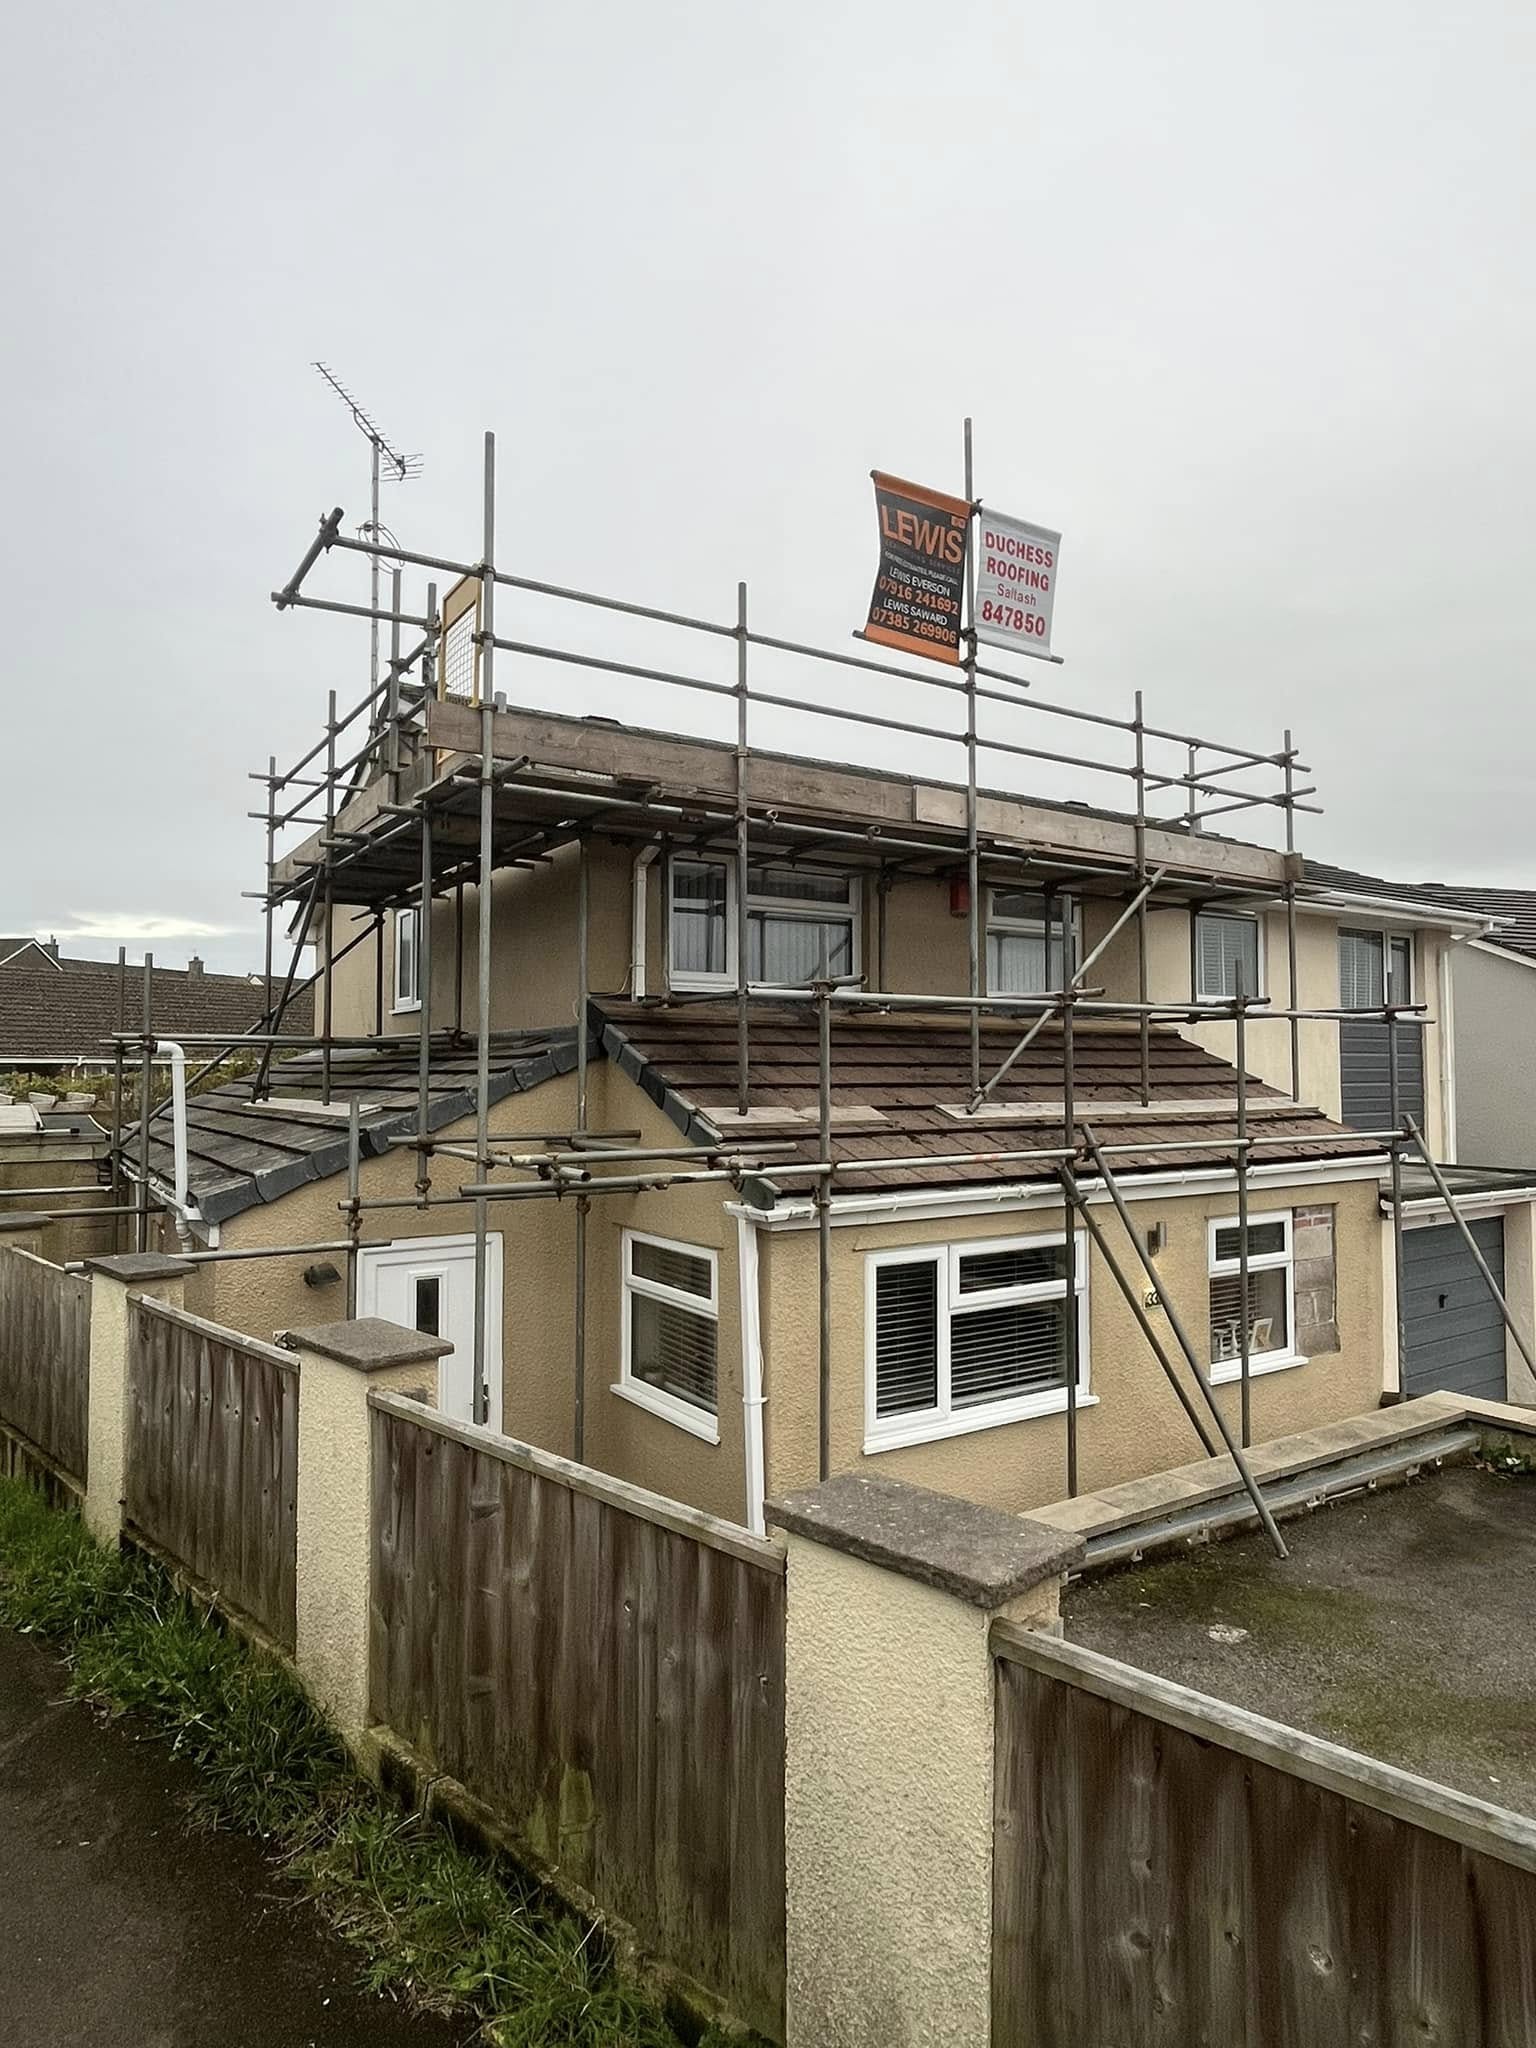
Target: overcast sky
1239	296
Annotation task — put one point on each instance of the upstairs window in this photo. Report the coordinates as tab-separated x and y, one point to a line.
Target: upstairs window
1271	1295
801	922
408	958
963	1337
1374	968
702	948
1032	944
1226	943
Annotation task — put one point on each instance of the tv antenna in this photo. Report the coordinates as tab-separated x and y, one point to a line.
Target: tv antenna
387	463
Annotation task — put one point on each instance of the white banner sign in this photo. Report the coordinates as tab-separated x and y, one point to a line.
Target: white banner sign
1015	582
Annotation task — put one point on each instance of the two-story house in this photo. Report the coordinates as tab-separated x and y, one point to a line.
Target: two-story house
722	1316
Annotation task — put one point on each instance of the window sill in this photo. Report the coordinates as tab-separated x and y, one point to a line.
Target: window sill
935	1429
1230	1370
697	1421
405	1009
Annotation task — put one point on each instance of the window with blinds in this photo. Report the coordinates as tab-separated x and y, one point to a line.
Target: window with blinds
1226	945
801	923
1032	945
671	1327
965	1336
1374	968
1271	1293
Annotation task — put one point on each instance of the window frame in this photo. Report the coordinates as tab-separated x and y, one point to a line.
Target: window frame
1260	951
1228	1370
932	1425
1033	928
407	1001
683	1414
1388	935
797	908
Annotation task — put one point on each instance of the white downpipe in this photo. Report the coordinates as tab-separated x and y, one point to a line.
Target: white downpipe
1448	1048
751	1368
643	861
178	1060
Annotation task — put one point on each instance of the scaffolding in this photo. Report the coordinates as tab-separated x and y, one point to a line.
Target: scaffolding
402	813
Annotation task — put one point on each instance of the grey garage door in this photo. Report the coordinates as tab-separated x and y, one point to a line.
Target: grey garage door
1455	1334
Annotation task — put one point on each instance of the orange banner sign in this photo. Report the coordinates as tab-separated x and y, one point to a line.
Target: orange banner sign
920	583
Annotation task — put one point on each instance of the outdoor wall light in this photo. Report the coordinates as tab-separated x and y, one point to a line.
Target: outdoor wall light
1157	1239
320	1276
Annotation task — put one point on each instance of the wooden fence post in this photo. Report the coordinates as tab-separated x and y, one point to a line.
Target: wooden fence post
339	1363
889	1708
114	1281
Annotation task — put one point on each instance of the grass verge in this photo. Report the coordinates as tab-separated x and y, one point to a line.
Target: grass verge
436	1923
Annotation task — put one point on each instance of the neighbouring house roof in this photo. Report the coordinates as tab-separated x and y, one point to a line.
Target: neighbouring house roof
1514	908
67	1010
241	1152
900	1082
1425	897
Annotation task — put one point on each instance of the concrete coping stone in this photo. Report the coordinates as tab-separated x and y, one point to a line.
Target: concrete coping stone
138	1268
366	1343
979	1554
23	1219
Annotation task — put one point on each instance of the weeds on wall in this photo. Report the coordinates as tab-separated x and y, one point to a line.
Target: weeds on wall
435	1922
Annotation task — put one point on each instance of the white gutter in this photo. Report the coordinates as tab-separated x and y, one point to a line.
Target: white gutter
643	860
178	1137
983	1198
751	1368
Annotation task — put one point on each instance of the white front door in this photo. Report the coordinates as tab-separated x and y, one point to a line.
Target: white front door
428	1283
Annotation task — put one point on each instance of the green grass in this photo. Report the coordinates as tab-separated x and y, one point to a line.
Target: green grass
435	1922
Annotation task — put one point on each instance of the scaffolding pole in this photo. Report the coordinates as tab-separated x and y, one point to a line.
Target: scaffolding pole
487	862
972	802
1234	1450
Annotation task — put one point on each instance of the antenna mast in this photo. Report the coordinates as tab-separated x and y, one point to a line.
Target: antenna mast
386	460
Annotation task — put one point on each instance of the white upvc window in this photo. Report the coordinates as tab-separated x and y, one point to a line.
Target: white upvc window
1375	968
1224	941
670	1343
801	922
408	958
1029	951
1271	1295
963	1337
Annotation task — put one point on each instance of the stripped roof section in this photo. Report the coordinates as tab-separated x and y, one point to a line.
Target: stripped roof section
914	1070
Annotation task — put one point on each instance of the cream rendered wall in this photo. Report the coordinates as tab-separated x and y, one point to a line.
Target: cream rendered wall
261	1296
533	949
1137	1426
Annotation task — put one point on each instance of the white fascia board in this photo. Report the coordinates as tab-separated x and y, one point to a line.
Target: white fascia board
1014	1196
1424	1210
1335	900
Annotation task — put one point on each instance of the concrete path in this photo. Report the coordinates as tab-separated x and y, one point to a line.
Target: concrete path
119	1929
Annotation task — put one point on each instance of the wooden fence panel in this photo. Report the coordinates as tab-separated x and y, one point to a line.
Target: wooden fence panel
45	1357
212	1458
1154	1886
609	1682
